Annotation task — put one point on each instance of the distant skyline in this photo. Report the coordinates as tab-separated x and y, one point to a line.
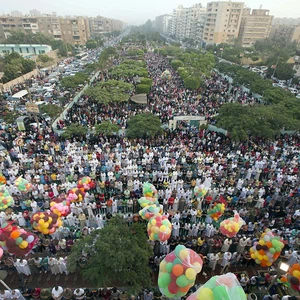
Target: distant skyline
136	12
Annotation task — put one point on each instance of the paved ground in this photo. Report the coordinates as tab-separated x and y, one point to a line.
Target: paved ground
13	280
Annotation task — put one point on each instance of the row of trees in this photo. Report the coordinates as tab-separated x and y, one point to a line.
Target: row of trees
254	82
264	52
192	65
130	68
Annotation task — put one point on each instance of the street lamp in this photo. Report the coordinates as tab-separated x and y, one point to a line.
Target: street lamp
282	269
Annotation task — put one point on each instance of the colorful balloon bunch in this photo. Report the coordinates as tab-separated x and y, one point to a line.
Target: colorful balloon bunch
85	183
166	75
217	211
292	278
199	192
144	202
60	207
230	227
149	190
45	222
23	185
75	195
223	287
16	240
6	199
178	271
2	179
267	249
159	228
151	211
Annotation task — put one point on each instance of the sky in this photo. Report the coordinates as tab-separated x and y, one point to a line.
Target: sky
136	12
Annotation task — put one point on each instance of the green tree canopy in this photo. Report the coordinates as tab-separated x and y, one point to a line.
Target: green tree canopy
263	121
51	110
110	91
71	82
93	44
44	58
118	254
75	130
15	65
143	126
129	68
107	128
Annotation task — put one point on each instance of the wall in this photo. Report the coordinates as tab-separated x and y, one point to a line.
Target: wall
20	79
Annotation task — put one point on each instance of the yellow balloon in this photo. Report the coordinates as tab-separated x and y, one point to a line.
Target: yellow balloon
296	273
163	228
183	254
205	294
190	273
41	221
162	266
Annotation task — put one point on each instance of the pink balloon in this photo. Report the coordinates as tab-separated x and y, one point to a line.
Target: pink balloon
1	252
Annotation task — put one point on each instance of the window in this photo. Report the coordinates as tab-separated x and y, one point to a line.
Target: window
27	50
41	51
20	50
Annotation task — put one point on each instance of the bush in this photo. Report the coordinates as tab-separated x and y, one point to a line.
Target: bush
143	88
255	58
44	58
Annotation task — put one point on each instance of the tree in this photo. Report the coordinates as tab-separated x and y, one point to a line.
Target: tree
176	63
118	255
75	130
284	71
110	91
107	128
44	58
143	126
143	88
93	44
15	65
51	110
71	82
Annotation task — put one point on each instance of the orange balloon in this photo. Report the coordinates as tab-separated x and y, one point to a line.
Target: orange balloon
184	289
177	270
269	244
261	252
15	234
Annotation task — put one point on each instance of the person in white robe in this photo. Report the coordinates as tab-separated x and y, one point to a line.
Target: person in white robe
176	228
213	259
25	268
226	259
226	245
53	265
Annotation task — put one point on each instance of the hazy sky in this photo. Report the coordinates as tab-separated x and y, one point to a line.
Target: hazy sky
135	11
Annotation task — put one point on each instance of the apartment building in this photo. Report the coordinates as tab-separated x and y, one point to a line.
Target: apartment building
254	26
100	25
72	30
186	22
223	21
290	33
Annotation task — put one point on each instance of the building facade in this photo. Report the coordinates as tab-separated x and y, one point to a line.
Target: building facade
223	20
24	50
72	30
254	26
185	22
100	25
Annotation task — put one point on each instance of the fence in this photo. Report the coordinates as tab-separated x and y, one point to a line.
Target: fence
65	111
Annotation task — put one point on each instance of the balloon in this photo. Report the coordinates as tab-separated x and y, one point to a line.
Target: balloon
223	287
217	211
230	227
157	231
267	250
182	266
23	185
38	222
1	253
6	200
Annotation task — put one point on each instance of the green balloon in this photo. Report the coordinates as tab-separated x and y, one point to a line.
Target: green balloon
238	293
156	236
169	267
182	281
220	293
164	279
211	283
272	250
168	294
19	240
178	249
165	222
177	261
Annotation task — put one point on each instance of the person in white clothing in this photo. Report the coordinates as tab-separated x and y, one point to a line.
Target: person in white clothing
57	293
226	259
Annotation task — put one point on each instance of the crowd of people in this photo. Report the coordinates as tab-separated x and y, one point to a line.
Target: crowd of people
259	179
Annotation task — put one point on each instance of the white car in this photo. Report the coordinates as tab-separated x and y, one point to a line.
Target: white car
298	96
294	91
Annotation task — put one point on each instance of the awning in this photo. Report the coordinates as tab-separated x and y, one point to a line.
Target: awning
139	99
20	94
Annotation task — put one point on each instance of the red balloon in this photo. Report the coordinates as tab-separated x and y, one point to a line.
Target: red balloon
173	287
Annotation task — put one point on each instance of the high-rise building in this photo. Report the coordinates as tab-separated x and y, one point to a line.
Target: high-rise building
223	21
16	13
186	22
254	26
